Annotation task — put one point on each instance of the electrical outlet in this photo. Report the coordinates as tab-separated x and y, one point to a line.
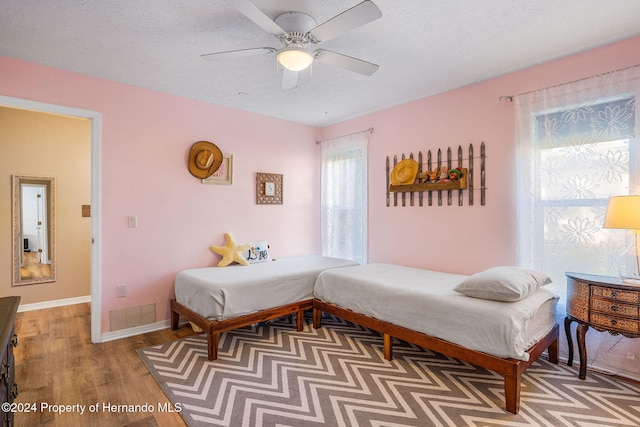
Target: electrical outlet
133	221
122	291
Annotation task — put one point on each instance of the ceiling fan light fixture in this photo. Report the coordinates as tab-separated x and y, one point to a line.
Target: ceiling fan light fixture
294	58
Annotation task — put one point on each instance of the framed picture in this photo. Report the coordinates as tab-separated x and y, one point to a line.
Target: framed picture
224	174
268	188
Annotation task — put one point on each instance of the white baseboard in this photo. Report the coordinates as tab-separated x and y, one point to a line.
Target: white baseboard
105	336
142	329
54	303
609	371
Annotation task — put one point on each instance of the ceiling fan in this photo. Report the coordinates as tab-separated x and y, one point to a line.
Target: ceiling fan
297	31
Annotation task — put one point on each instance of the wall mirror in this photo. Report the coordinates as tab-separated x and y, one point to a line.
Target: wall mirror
34	240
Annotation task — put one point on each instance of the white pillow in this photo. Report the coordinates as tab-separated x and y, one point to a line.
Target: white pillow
259	252
503	283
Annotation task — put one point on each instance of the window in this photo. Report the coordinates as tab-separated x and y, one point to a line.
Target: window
584	157
344	197
576	147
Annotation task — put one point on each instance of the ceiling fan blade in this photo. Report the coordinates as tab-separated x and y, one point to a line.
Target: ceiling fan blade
238	53
346	62
289	79
249	10
357	16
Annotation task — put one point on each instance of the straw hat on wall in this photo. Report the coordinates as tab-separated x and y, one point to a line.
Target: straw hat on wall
204	159
404	173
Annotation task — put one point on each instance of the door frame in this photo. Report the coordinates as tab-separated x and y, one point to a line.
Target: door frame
96	196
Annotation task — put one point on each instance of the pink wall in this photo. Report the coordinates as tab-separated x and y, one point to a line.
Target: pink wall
469	238
145	141
147	135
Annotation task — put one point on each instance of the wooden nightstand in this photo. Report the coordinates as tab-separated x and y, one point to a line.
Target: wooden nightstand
604	303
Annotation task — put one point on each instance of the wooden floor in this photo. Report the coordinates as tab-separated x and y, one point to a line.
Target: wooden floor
57	364
32	269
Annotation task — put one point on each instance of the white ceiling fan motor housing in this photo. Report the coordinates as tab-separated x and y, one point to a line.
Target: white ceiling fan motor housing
297	25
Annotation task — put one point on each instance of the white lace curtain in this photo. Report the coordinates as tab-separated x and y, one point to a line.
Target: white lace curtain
344	197
576	145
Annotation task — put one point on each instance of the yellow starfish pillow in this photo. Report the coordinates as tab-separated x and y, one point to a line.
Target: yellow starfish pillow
231	252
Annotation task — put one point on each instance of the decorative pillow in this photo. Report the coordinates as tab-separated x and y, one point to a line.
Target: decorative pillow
231	252
503	283
259	252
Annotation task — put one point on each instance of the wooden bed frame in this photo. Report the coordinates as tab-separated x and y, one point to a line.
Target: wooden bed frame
511	369
214	327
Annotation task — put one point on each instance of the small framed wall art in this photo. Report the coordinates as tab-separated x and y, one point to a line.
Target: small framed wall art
224	174
268	188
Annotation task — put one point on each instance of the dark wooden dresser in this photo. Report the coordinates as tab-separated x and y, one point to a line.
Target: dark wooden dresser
8	340
603	303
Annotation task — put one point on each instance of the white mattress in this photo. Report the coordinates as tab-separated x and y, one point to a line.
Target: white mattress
424	301
225	292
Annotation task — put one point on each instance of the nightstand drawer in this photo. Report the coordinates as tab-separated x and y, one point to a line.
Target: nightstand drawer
616	294
616	308
615	323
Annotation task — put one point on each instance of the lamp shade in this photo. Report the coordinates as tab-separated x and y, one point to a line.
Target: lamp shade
623	212
294	58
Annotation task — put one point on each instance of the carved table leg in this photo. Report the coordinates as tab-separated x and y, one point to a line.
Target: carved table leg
581	333
567	331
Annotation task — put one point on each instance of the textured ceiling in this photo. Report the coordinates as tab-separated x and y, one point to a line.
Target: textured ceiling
423	47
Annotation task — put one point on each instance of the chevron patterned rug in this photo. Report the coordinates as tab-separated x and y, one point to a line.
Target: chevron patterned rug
271	375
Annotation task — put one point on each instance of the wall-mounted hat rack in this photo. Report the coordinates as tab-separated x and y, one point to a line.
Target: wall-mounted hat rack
423	183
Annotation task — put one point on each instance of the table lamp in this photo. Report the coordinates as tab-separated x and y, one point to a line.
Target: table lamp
624	212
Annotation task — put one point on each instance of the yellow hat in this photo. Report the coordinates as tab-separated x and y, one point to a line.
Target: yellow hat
204	159
404	173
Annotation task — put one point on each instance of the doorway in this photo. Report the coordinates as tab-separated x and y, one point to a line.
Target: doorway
95	221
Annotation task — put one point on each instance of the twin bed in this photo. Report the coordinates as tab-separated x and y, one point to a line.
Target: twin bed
415	305
221	299
421	307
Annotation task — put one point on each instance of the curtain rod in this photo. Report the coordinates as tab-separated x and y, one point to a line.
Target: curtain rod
509	98
370	130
